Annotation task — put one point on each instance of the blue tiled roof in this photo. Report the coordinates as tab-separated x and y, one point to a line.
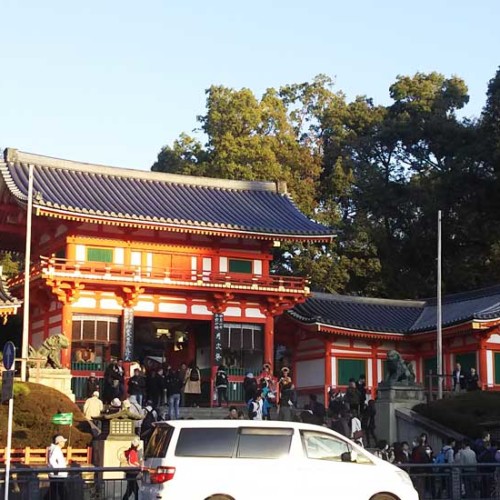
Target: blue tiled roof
212	205
397	316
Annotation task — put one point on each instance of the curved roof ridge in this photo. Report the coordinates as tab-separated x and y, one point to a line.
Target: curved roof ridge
12	155
465	296
368	300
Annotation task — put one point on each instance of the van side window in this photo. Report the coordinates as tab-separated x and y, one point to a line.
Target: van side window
323	446
158	444
206	442
255	442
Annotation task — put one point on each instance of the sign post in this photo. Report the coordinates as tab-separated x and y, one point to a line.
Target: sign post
9	355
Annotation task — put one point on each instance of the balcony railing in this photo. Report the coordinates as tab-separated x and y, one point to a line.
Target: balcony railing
161	277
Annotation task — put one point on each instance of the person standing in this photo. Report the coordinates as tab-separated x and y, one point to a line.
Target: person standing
182	377
368	423
467	458
472	380
57	489
134	459
137	386
92	385
250	386
221	383
92	409
192	385
458	378
352	396
361	387
174	387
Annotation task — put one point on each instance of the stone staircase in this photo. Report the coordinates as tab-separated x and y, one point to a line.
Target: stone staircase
200	413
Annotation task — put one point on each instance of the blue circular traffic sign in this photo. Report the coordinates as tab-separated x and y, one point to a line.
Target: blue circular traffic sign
9	355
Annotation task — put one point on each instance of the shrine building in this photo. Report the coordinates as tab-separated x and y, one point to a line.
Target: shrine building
331	338
151	267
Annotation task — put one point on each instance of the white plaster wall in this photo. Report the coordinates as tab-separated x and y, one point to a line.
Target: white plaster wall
149	261
119	256
200	309
223	264
369	378
145	306
233	311
80	253
172	308
135	258
334	371
85	302
380	373
257	267
489	368
110	304
253	312
494	339
310	373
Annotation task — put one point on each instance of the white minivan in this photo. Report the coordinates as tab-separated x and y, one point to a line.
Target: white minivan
247	459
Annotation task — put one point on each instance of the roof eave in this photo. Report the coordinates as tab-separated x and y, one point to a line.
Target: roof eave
170	226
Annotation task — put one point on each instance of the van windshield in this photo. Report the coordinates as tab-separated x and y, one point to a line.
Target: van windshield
158	444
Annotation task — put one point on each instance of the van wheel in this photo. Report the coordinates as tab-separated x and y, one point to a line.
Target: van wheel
219	496
383	496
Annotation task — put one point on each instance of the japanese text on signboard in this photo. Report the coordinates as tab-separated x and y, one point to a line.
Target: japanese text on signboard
218	327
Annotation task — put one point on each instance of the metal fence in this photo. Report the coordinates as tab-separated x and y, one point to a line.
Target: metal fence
432	481
455	482
82	483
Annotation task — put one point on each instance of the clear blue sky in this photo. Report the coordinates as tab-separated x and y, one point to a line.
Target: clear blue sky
111	81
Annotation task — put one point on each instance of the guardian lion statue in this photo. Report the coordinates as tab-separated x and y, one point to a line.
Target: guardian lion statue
49	352
399	371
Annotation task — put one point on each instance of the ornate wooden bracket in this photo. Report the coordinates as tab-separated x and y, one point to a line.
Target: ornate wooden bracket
277	305
66	292
129	296
219	302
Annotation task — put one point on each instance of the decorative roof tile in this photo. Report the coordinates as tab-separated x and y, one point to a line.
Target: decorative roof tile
214	205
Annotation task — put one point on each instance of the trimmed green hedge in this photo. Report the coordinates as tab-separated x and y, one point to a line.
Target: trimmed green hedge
34	406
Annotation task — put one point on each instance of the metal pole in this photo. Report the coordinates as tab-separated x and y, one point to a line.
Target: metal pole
7	450
439	316
27	272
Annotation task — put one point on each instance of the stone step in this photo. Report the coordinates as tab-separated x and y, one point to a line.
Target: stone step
199	413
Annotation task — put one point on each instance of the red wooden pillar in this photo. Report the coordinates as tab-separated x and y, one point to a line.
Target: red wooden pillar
67	332
328	369
269	340
483	363
375	375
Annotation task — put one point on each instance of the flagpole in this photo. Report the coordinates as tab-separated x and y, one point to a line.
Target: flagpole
27	273
439	365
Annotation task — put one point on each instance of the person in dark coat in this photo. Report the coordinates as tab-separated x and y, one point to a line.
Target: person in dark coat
114	380
472	380
137	386
250	386
92	385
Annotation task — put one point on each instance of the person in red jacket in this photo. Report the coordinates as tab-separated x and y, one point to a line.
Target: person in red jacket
134	459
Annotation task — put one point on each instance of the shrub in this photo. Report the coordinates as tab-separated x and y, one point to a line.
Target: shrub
34	406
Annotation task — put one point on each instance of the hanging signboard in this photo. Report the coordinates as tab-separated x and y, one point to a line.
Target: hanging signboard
218	327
